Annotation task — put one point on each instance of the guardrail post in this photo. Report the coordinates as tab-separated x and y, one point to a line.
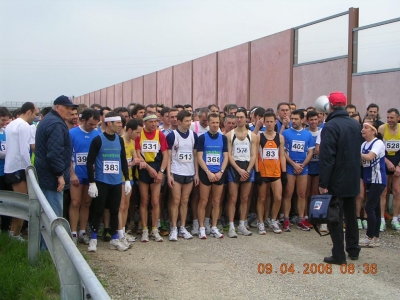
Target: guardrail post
34	220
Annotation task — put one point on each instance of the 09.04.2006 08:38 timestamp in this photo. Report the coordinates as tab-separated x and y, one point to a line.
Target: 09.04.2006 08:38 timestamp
313	268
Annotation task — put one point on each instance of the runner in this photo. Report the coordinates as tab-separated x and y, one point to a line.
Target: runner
242	153
182	172
213	158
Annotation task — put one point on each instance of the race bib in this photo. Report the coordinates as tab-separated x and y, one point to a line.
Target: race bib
81	159
393	146
111	167
270	153
213	159
150	146
241	149
366	163
3	146
185	156
128	160
298	146
315	157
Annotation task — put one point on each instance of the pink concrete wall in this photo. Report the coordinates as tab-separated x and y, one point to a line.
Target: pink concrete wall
118	95
137	90
164	87
382	89
103	97
233	76
86	98
314	80
270	70
205	80
91	98
97	97
150	88
126	92
81	99
182	84
110	97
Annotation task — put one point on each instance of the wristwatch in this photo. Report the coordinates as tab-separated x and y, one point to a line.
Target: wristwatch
222	171
162	171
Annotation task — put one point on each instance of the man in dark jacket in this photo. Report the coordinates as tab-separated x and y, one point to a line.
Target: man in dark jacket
53	153
340	175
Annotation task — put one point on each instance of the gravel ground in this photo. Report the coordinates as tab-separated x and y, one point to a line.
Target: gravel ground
229	269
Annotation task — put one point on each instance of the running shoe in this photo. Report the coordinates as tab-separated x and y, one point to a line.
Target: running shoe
173	236
115	244
396	225
251	218
302	226
163	230
359	224
246	224
232	233
281	218
286	226
261	228
294	220
130	228
267	223
18	238
139	228
365	224
202	233
382	228
100	231
92	245
130	238
377	242
84	239
125	242
243	230
155	235
366	242
208	228
195	228
220	226
308	224
183	233
226	226
275	227
323	228
106	235
145	235
215	233
75	239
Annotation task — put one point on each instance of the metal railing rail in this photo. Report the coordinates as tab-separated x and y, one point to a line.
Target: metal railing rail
77	280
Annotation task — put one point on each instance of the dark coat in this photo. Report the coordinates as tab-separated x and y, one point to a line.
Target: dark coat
340	155
53	151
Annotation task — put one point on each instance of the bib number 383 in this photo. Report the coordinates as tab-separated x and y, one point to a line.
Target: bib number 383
111	167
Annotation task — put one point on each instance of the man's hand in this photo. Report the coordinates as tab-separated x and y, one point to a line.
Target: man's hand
152	172
323	191
61	183
74	180
171	181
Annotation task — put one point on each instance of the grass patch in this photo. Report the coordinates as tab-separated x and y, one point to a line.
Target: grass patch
20	279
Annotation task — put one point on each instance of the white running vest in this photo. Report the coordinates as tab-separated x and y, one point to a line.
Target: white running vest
182	157
241	150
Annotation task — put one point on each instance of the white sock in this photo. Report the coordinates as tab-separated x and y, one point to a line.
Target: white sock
182	228
231	225
214	228
174	228
72	233
123	229
306	217
383	220
241	223
120	234
395	219
207	221
82	232
158	223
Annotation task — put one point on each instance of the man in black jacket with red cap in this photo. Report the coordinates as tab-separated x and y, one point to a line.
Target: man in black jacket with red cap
340	175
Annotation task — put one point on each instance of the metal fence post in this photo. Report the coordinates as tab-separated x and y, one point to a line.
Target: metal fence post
34	220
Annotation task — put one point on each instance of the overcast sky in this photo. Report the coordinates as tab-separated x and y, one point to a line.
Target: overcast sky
49	48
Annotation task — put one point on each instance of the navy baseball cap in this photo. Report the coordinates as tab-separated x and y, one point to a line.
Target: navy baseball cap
65	101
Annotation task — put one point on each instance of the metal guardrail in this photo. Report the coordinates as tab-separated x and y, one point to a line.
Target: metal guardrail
77	280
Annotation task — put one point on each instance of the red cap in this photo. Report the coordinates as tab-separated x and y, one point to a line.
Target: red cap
337	99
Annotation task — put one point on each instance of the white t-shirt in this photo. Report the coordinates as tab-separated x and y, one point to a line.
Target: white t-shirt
18	134
33	134
318	141
378	148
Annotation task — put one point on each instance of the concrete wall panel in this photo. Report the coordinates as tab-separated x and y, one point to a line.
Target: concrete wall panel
137	90
97	97
110	97
118	95
312	81
126	92
233	75
91	98
164	87
103	97
205	80
270	70
150	88
382	89
182	84
86	99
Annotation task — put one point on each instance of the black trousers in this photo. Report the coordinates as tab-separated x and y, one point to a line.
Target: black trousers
373	208
110	197
347	207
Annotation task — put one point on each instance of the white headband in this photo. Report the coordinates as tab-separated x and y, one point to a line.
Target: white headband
112	119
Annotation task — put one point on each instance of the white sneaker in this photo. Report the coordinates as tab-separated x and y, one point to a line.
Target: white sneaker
173	235
367	242
92	245
208	228
184	233
155	235
275	227
202	233
243	230
396	225
220	226
84	239
130	238
195	229
18	238
267	223
254	223
232	233
382	228
323	228
115	244
125	242
215	233
75	240
145	235
261	228
377	242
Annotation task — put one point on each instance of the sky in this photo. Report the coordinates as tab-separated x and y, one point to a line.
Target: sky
50	48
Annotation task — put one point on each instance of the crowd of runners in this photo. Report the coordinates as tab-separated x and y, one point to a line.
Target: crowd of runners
149	170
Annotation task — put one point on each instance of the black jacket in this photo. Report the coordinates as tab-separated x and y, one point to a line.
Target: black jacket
53	151
340	155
